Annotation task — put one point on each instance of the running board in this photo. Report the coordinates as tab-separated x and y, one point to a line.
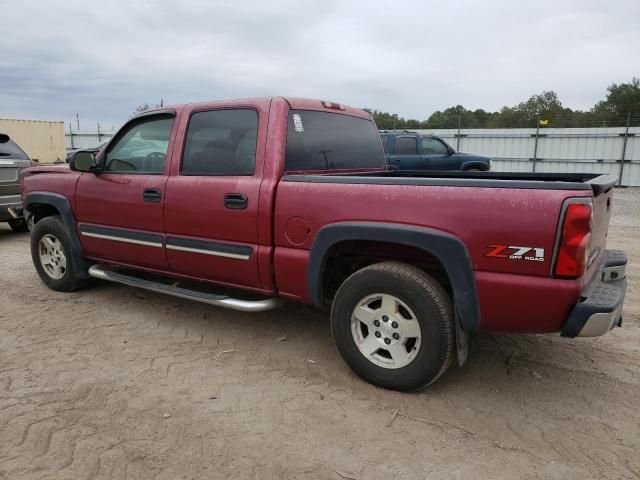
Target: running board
104	273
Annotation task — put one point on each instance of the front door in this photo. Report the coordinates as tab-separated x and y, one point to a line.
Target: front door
435	155
211	203
120	209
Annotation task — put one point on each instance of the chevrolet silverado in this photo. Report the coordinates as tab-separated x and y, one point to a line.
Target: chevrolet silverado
242	203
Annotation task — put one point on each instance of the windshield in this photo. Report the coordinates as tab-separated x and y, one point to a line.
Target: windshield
328	141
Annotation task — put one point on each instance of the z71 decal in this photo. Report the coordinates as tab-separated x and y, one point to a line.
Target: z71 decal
513	252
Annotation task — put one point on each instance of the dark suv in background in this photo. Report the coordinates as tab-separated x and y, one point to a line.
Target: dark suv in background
415	151
12	161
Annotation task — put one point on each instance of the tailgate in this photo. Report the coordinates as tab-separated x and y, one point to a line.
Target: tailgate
602	204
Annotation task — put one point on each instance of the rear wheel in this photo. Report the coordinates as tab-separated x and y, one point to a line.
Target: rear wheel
393	325
52	255
18	225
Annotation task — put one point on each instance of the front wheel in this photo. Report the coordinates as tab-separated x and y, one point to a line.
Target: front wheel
53	257
393	325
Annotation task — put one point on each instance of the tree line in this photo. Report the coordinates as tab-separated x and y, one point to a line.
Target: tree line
621	105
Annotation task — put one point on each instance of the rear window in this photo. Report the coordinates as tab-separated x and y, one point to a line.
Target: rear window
328	141
9	149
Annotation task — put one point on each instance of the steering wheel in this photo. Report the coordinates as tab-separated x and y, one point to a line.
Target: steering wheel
153	161
155	156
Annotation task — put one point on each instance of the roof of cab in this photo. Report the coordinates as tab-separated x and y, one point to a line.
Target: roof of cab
295	103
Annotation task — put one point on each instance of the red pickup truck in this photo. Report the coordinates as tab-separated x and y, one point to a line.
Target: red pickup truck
240	203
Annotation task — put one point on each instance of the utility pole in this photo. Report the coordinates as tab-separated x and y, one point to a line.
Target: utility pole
78	121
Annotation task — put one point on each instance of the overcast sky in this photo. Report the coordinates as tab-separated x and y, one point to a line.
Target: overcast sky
101	59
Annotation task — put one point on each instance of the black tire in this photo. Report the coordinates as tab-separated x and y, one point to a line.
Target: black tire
432	308
72	279
19	225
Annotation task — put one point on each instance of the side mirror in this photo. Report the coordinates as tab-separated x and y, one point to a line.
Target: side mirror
450	151
83	161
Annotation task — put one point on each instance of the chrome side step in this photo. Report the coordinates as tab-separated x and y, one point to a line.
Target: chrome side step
103	272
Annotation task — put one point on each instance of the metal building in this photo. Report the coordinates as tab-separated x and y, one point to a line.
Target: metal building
613	150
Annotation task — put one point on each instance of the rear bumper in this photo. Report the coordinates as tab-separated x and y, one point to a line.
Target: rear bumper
10	207
600	308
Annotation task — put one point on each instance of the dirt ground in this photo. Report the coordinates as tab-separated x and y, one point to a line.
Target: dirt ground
114	382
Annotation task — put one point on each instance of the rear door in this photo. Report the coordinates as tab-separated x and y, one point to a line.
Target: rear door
211	204
119	211
404	153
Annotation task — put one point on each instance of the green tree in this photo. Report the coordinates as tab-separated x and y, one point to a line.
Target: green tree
621	99
386	121
546	103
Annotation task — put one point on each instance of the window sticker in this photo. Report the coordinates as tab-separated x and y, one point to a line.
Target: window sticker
297	123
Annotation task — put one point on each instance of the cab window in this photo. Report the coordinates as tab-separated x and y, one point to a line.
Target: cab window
331	141
142	148
221	142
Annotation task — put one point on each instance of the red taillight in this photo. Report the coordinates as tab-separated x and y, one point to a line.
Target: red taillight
576	233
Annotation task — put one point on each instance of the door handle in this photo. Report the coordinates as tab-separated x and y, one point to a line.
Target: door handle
235	201
151	195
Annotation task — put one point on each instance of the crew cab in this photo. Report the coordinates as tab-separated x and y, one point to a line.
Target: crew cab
407	150
12	161
242	203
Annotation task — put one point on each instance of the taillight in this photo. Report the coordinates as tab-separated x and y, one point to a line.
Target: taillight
572	257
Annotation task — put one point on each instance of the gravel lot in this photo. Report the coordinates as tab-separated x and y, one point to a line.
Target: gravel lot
114	382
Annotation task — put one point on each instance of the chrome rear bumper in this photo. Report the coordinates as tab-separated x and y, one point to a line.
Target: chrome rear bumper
600	309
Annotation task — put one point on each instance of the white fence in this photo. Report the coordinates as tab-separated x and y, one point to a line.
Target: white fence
585	150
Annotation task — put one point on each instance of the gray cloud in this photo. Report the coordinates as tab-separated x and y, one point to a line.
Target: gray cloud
412	57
